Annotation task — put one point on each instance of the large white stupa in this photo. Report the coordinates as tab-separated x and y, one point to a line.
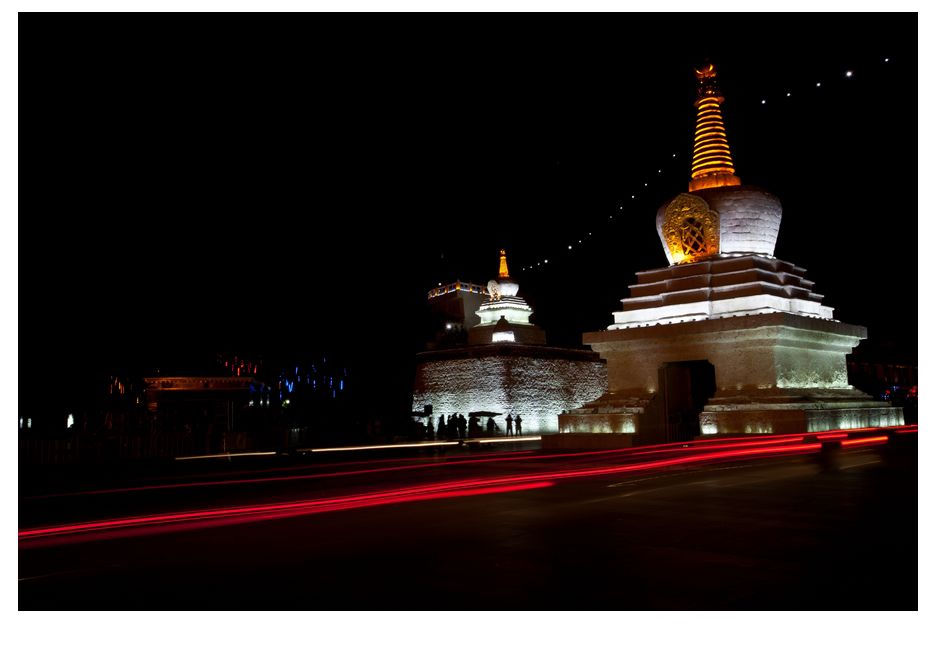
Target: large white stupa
728	338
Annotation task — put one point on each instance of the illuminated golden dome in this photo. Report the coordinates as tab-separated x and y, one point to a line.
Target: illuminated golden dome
712	166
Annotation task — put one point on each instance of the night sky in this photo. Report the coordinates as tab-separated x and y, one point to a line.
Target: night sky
297	184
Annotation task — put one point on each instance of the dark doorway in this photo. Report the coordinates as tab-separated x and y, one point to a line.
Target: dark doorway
685	387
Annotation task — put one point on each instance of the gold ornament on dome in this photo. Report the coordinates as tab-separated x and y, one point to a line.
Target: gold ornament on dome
690	229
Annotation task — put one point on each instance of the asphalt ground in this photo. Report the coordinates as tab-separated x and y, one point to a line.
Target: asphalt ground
798	531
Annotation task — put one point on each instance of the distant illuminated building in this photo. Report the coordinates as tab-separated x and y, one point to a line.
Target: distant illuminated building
506	368
198	404
453	311
303	379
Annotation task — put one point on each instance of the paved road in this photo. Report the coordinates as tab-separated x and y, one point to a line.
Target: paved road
785	532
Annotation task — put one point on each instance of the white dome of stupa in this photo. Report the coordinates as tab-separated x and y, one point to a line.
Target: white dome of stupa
718	221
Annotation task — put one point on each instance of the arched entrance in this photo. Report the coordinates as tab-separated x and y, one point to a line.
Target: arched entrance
684	389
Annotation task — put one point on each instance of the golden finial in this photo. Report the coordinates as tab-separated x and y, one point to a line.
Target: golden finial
712	166
502	272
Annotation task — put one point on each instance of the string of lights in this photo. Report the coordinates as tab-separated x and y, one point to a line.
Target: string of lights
624	205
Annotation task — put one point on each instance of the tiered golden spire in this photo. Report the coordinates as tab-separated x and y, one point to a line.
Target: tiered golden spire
711	157
502	272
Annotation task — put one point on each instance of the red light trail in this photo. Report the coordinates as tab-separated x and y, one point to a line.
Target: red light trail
629	451
450	488
865	440
711	451
428	463
272	511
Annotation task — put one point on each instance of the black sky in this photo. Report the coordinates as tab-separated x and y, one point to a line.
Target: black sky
201	182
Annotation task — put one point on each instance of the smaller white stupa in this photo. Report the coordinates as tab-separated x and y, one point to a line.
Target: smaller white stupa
507	368
505	316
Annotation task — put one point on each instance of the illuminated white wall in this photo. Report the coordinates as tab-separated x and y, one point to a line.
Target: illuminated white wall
514	311
749	218
537	388
759	352
774	373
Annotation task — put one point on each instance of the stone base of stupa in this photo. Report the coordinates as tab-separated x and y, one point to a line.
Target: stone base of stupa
773	373
791	412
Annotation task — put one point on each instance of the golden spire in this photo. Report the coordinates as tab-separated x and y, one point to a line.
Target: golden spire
711	156
502	272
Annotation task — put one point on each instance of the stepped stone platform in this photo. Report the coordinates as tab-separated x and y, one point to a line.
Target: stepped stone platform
774	372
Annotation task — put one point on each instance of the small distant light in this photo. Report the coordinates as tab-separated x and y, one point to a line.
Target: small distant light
545	260
580	242
633	196
21	423
570	246
763	101
818	84
788	94
70	421
448	326
29	422
674	155
439	284
589	233
848	74
646	184
887	59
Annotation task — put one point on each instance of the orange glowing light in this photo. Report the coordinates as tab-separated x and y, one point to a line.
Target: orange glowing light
503	272
712	166
880	439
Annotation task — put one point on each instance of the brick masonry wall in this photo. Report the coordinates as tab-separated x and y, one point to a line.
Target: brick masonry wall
537	388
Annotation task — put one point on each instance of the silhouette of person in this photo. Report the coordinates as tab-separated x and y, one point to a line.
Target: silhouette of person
490	427
509	425
519	423
474	427
441	426
452	428
430	433
462	426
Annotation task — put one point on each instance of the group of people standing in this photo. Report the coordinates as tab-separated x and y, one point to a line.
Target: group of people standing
456	426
